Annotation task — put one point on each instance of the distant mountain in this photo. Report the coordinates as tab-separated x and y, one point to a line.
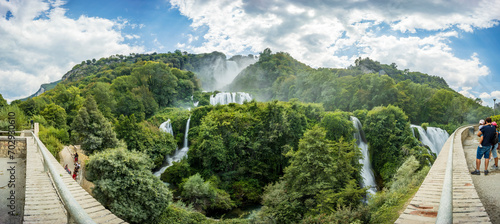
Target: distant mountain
42	89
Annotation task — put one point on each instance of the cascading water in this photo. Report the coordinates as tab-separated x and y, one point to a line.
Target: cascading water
195	104
366	171
186	134
178	155
167	127
227	98
432	137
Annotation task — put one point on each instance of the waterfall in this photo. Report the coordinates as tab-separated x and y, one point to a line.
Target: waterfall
432	137
186	133
178	155
167	127
366	171
227	98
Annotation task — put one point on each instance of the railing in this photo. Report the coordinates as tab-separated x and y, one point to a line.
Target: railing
445	211
75	211
17	132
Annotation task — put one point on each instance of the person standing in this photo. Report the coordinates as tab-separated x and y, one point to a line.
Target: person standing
76	158
494	149
488	133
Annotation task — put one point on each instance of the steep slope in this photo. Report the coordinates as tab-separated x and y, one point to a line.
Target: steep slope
43	88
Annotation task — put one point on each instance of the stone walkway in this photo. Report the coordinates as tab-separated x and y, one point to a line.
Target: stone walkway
487	187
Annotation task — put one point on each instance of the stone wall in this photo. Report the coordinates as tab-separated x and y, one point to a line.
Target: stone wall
20	150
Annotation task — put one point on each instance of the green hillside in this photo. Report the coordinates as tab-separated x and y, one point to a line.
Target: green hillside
365	85
291	152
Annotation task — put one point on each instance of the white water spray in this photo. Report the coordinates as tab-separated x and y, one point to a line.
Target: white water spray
167	127
432	137
366	171
227	98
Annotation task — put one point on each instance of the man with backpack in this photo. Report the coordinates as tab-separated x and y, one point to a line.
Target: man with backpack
487	134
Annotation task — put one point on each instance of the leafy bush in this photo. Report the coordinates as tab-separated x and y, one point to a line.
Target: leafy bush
343	215
203	195
387	130
178	213
53	139
385	205
19	117
53	145
424	126
125	185
175	173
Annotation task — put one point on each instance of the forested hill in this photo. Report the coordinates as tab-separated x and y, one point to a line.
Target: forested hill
294	154
205	66
364	85
367	65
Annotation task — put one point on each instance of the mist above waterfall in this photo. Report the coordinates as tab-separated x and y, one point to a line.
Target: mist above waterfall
217	72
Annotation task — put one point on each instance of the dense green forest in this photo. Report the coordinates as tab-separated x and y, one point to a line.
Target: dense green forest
291	150
365	85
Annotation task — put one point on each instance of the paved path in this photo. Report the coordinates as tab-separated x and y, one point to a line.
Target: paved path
42	202
467	207
488	187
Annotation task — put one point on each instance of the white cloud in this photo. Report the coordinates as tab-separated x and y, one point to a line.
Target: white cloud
132	36
334	33
466	91
39	44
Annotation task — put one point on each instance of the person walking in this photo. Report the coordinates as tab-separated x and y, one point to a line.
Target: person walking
487	134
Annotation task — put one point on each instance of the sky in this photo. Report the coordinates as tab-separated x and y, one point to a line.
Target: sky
455	39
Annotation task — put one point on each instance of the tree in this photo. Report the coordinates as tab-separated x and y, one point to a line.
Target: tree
322	174
337	125
3	102
104	98
91	129
195	190
205	194
125	185
55	115
138	137
387	130
320	164
160	80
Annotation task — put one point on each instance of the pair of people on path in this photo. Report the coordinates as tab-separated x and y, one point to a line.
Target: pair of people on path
77	168
487	132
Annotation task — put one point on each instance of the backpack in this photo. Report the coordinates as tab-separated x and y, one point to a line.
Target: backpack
495	140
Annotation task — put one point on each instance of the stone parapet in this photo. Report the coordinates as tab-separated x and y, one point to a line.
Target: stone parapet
20	149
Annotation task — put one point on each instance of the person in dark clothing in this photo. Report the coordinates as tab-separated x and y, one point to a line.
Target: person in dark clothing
487	134
76	157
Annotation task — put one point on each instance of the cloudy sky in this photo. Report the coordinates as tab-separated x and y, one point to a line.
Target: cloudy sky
455	39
